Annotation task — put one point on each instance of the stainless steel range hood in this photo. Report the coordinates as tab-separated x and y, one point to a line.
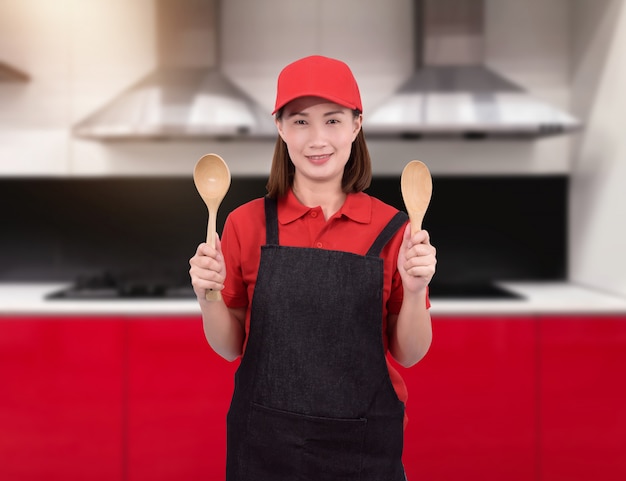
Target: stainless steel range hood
185	98
175	103
452	93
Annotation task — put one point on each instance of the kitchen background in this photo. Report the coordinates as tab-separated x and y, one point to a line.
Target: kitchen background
69	110
105	107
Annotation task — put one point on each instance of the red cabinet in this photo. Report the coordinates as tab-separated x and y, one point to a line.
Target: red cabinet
110	399
583	398
145	398
178	393
472	402
61	399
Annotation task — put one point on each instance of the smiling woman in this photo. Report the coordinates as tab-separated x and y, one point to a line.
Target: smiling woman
319	136
319	281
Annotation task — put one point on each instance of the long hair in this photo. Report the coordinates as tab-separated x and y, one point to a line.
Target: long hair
357	174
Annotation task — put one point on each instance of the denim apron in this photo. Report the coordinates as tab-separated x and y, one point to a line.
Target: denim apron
313	399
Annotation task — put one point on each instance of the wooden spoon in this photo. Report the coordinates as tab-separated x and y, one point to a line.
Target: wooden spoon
417	187
212	179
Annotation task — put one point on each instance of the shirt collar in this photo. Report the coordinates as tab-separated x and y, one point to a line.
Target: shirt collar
357	207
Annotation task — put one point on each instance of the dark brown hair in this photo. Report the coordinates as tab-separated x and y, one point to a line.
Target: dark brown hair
357	174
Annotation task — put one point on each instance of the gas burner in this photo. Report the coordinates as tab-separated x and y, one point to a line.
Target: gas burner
470	290
128	285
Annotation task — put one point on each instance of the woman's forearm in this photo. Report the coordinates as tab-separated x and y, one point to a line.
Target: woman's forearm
410	332
223	328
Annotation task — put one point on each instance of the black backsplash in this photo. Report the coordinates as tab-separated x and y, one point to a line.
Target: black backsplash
484	228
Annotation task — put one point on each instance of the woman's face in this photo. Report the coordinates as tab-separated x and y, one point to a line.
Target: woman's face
319	136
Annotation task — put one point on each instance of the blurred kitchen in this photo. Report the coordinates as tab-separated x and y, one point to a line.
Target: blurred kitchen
105	107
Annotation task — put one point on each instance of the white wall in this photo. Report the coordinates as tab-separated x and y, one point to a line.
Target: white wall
598	188
82	53
372	36
34	38
78	54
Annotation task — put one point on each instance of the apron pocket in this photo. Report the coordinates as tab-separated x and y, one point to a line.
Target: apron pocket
289	446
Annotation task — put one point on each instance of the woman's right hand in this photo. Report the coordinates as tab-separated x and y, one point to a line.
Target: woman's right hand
208	269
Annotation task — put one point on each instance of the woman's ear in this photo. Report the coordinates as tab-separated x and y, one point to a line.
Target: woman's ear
358	123
279	127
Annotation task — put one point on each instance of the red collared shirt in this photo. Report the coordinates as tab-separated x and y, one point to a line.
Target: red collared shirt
352	229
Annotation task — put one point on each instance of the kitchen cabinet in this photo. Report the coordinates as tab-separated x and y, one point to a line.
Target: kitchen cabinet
100	398
145	398
61	398
472	401
583	398
178	393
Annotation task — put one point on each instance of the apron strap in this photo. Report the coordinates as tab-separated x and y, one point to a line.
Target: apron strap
271	221
387	233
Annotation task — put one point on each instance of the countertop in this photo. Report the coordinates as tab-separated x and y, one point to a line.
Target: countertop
537	298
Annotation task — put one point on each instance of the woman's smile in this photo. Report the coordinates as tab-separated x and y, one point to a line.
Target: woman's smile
318	159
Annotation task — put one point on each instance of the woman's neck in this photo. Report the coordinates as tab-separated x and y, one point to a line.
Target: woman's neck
330	198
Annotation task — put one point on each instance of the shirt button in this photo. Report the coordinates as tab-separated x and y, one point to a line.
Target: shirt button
319	245
313	213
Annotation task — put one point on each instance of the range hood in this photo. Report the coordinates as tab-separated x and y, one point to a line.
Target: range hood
8	73
184	98
174	103
452	93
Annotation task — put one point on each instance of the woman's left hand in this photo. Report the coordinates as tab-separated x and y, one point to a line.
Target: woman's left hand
416	260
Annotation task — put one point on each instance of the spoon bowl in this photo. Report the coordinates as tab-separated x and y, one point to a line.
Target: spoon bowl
212	179
417	187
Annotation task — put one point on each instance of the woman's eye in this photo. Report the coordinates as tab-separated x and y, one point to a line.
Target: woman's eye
333	121
300	122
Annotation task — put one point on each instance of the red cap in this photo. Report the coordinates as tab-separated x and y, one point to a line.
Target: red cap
318	76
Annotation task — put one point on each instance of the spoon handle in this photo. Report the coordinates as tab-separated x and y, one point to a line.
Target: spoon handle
211	235
211	230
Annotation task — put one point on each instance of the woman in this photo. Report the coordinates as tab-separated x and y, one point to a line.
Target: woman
319	280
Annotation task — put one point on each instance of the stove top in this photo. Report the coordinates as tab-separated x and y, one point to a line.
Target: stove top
475	291
109	285
127	286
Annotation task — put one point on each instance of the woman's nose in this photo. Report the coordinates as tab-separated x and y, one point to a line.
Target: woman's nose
317	137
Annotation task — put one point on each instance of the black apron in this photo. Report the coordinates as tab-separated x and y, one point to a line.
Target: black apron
313	399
